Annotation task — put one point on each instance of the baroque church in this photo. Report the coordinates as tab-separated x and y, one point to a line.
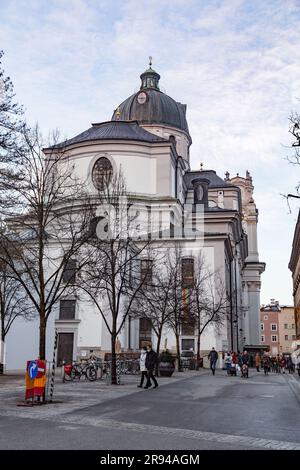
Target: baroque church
148	137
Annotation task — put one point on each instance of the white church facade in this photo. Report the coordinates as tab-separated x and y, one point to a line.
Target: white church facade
148	139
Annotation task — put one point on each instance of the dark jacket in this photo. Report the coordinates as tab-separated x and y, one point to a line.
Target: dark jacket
151	359
245	359
213	356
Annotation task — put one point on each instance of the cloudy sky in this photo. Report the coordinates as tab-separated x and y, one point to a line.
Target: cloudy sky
235	63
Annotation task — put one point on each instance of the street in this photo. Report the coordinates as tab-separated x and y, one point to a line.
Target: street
193	410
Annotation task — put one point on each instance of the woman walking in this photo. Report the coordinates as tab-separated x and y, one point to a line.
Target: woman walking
143	366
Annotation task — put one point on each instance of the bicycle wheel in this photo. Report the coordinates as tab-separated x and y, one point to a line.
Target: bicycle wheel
76	372
91	373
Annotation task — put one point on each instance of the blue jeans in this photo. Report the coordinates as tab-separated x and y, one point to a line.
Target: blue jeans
213	366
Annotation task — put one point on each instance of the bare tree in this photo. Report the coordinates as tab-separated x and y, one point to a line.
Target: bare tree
154	299
209	302
294	159
112	278
45	223
13	304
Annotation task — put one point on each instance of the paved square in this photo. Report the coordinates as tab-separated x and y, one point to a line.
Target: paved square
191	410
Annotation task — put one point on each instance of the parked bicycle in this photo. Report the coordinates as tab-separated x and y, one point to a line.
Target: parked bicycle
79	369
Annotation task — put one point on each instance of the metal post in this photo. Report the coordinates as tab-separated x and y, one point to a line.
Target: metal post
118	371
53	368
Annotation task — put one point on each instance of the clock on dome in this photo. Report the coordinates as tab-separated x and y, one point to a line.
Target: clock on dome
142	97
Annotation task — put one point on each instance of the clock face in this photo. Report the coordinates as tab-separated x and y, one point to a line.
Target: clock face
142	97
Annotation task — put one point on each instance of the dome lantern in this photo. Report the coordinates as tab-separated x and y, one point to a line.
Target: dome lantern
150	78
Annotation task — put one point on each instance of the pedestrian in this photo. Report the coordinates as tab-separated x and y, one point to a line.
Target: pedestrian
290	365
266	363
143	366
228	362
151	361
282	365
245	358
257	361
213	357
234	357
239	358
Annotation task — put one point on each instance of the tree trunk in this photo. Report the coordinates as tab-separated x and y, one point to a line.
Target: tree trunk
178	352
2	354
157	350
42	347
2	339
198	349
113	360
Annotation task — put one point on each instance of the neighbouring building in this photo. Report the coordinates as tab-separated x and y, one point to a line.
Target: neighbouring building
148	137
277	327
294	266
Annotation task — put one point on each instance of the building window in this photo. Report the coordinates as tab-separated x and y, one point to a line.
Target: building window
187	345
274	338
172	226
145	332
273	327
187	272
265	317
69	272
67	309
262	326
293	325
293	337
285	326
262	338
146	271
102	173
286	337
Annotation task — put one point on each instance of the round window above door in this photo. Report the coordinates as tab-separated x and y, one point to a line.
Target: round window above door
102	173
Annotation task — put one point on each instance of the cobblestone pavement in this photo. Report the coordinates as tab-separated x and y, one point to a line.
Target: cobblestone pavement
191	410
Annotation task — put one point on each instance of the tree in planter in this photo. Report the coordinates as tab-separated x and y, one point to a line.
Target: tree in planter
112	278
13	304
166	364
45	224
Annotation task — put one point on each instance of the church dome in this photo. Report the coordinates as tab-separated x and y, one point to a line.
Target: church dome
151	106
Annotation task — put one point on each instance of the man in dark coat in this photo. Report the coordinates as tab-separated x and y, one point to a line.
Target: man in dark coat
245	358
151	360
213	357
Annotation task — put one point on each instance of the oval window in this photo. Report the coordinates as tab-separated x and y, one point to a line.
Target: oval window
102	173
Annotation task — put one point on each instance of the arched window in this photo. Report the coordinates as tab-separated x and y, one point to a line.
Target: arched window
187	272
102	173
